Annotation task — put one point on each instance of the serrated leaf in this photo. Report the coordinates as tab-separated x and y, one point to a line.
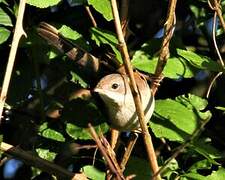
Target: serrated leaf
74	36
196	104
43	3
46	154
4	34
173	120
200	62
106	37
76	78
49	133
5	19
177	119
103	7
93	173
174	69
77	132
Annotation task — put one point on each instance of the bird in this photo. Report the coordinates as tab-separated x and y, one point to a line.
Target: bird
115	92
113	89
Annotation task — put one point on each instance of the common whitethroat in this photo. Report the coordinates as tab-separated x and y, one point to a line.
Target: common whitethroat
113	89
115	92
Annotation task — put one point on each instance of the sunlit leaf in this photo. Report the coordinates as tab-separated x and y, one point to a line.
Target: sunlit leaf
49	133
176	120
43	3
174	69
93	173
106	37
46	154
74	36
4	34
201	62
4	18
103	7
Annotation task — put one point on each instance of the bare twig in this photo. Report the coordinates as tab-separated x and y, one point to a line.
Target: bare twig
40	163
112	166
134	90
19	32
91	16
124	15
164	52
215	5
128	151
217	12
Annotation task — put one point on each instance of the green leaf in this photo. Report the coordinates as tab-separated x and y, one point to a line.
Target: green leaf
174	69
203	164
93	173
74	36
103	7
43	3
77	132
220	108
4	34
192	176
217	175
177	119
170	169
200	62
76	78
49	133
5	19
196	104
173	120
206	150
46	154
77	114
139	167
106	37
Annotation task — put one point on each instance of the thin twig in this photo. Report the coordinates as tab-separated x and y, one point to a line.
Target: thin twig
19	32
35	161
215	45
164	52
91	16
128	151
134	90
217	8
103	150
124	15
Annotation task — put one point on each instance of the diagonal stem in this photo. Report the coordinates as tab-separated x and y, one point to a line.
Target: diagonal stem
134	90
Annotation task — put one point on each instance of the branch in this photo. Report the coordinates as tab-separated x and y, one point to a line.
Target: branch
111	161
19	32
91	16
217	8
218	54
134	90
164	52
40	163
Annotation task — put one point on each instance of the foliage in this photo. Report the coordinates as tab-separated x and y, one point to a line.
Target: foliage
41	116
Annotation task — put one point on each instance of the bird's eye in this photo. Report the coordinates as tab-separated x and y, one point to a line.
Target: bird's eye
115	86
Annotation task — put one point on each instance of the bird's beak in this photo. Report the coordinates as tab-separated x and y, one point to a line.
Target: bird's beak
98	90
